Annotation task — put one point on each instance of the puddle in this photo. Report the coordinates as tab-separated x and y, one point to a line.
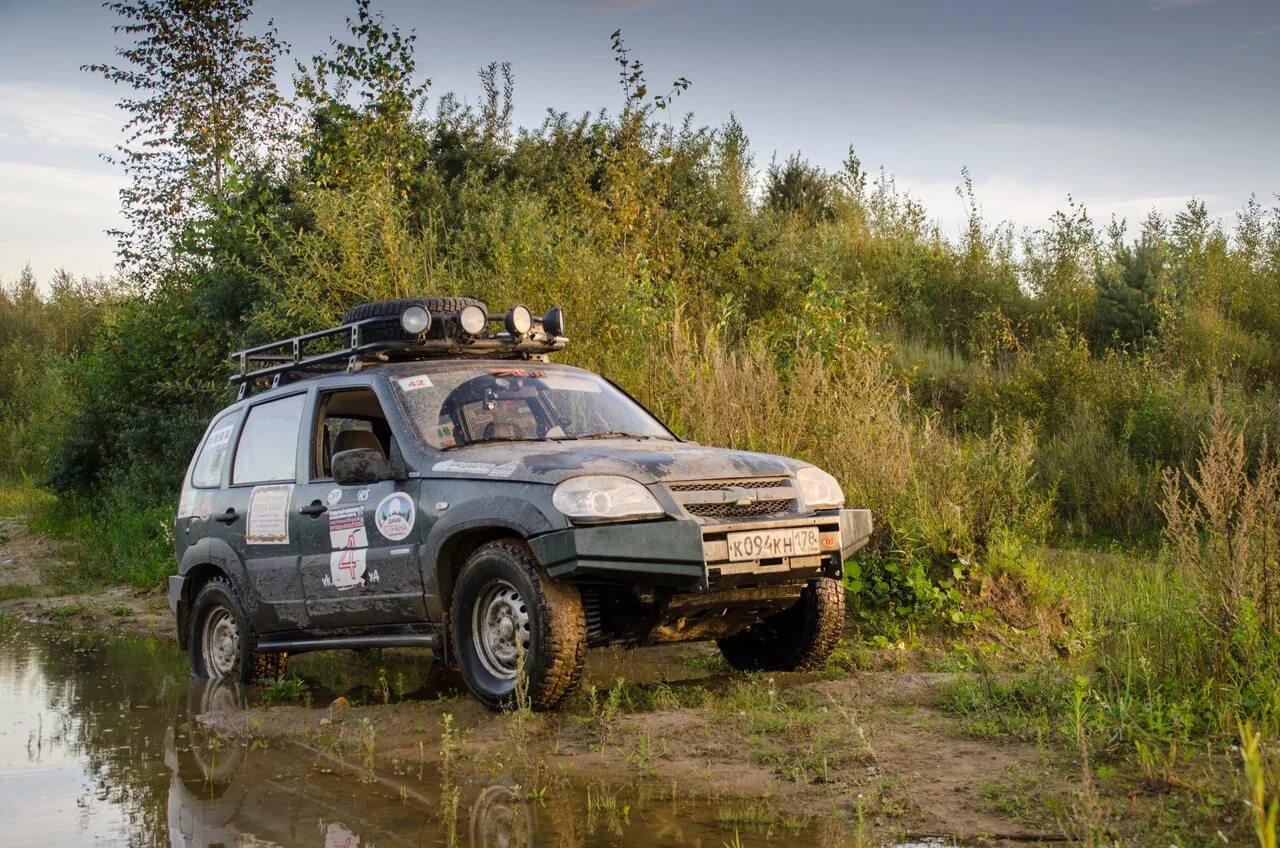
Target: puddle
96	747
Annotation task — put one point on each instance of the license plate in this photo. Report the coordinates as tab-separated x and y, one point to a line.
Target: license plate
769	544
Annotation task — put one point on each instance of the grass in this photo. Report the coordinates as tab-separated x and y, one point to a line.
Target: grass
283	689
763	818
16	591
21	498
1029	706
68	611
111	543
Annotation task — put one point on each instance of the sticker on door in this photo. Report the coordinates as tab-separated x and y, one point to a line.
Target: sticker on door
346	528
394	516
349	567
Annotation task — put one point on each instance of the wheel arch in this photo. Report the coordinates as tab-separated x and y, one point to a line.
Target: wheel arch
474	523
458	547
204	561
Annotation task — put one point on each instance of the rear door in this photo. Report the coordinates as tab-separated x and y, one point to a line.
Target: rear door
358	543
202	491
255	514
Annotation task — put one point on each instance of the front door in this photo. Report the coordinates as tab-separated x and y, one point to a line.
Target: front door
359	543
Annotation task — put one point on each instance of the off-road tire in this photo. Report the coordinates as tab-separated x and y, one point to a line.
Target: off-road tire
797	639
250	667
217	598
557	627
437	306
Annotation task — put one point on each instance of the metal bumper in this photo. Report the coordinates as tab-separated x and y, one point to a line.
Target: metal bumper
689	556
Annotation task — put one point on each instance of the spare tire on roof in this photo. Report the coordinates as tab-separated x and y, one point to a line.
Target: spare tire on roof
437	306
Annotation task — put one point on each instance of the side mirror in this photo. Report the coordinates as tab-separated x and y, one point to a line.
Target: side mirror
360	467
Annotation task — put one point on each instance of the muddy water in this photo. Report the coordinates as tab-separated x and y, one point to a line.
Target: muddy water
96	748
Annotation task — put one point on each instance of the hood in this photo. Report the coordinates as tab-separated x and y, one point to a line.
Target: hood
644	460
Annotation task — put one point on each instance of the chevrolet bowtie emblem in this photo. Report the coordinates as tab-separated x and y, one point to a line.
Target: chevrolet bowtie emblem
739	496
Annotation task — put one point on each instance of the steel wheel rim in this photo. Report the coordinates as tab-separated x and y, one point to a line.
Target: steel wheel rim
497	618
221	643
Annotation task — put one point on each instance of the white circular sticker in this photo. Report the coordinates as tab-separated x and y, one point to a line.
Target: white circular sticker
394	516
335	495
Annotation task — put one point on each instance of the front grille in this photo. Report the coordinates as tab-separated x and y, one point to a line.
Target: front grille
754	509
717	485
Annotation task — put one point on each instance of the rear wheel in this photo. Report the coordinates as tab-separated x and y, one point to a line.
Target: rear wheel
511	623
797	639
222	643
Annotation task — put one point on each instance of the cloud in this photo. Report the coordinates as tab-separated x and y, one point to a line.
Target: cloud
53	115
614	5
56	217
1029	204
1161	5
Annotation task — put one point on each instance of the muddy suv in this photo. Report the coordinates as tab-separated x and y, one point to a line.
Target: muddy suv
422	476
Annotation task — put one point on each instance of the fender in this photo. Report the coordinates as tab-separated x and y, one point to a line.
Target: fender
483	518
219	554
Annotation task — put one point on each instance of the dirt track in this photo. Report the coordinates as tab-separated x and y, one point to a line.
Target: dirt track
24	558
866	744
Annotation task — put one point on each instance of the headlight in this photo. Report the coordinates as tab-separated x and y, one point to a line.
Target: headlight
598	498
820	489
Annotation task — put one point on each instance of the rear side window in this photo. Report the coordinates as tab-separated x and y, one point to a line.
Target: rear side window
207	473
269	442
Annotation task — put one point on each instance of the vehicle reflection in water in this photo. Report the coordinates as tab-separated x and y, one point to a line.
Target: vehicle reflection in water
236	795
97	746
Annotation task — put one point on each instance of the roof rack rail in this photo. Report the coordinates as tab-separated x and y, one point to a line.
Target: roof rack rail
465	334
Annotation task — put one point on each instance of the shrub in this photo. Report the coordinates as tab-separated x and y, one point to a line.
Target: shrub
1224	531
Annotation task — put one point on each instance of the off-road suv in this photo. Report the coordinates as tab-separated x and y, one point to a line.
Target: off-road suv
422	476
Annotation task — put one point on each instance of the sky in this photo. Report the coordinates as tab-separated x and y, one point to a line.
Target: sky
1125	105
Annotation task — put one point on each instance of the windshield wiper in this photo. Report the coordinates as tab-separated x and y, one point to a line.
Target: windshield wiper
615	434
491	441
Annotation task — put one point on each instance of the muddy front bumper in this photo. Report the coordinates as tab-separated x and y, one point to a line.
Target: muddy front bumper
689	556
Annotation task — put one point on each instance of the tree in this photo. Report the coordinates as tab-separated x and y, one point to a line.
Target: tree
361	103
206	104
1129	293
799	188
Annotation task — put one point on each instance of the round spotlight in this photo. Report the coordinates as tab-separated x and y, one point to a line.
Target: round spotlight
553	321
519	320
415	320
473	320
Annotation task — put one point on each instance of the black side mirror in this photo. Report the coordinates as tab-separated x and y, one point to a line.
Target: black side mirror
360	467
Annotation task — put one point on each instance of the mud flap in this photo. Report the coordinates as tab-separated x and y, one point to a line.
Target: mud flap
178	605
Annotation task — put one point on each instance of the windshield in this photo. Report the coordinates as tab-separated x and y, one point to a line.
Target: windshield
490	402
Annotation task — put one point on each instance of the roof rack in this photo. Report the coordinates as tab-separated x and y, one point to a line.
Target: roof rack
462	335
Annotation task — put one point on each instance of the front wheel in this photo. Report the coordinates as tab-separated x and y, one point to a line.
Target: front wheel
512	625
797	639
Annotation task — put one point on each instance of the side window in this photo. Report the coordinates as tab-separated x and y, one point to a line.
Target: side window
349	418
207	473
269	442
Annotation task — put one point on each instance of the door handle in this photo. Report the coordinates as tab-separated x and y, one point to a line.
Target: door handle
228	517
315	510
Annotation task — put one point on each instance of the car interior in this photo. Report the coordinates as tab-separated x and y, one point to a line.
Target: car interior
350	419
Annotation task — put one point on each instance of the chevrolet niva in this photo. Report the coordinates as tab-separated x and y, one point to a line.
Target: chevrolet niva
422	475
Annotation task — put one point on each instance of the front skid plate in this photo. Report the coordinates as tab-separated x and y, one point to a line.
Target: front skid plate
679	554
